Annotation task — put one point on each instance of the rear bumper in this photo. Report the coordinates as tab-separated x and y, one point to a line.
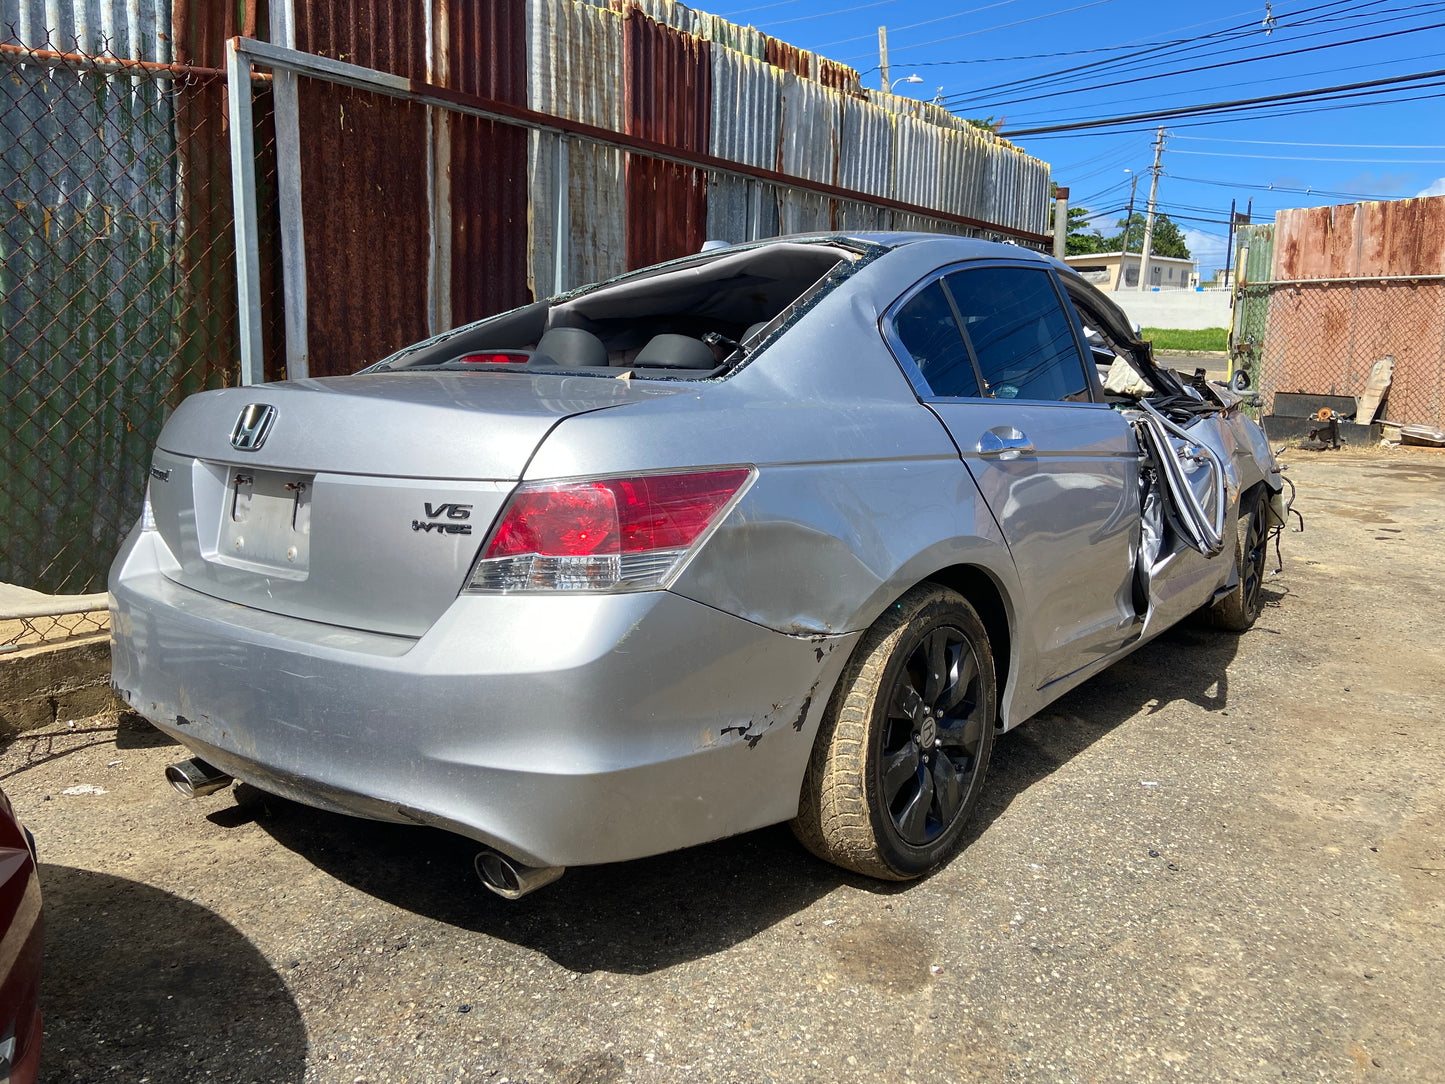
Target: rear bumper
560	730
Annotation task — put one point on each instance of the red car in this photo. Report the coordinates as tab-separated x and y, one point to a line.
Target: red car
20	936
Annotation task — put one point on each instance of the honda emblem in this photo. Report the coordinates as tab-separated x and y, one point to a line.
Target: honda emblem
252	427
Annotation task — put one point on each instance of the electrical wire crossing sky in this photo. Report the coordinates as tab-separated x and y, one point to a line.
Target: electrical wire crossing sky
1287	104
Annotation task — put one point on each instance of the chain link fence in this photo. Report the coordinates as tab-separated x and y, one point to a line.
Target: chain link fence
1324	338
117	290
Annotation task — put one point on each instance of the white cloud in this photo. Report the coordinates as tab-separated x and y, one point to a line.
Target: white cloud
1435	189
1207	249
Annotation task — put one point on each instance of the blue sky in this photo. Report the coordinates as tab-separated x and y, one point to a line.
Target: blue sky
1131	56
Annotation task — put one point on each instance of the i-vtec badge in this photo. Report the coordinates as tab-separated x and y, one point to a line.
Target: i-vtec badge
444	512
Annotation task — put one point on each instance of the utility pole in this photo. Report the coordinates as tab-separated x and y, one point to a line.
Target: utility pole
1229	244
883	58
1128	219
1149	220
1061	222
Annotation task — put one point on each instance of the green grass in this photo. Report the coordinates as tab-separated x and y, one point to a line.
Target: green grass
1209	338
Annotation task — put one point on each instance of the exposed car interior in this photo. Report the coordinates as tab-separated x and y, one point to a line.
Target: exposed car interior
688	320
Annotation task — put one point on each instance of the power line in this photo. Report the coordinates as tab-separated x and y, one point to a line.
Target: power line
829	14
1348	146
1220	64
1163	52
1230	117
1230	105
926	22
1372	37
1136	43
1301	158
1329	193
991	29
1162	99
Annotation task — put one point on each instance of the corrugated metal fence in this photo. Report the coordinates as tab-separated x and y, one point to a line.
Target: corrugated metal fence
1347	286
116	243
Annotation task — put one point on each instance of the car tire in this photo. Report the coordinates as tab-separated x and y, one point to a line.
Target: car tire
1238	610
861	807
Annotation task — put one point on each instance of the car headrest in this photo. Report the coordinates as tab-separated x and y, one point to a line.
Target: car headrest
675	352
570	346
753	329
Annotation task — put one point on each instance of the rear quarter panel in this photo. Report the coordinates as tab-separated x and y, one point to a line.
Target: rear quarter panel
860	491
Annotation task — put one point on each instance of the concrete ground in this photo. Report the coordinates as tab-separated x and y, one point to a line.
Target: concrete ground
1220	860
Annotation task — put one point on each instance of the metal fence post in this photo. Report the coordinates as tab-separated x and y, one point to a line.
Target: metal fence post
561	217
288	193
243	195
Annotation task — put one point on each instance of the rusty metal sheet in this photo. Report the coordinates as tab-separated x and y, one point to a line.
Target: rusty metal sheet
916	149
865	153
388	35
748	40
746	116
838	76
486	191
747	106
1398	237
812	115
1331	317
365	198
488	218
576	67
1402	237
669	99
486	47
788	57
1315	242
365	206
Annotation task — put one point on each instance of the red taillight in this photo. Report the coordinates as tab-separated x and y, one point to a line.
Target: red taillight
503	358
604	533
559	521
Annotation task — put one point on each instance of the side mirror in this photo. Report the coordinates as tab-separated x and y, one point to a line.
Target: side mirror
1239	381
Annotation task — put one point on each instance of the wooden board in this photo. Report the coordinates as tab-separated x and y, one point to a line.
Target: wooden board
1375	388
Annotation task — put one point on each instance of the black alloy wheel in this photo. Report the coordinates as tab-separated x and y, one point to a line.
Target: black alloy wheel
1240	607
901	752
930	743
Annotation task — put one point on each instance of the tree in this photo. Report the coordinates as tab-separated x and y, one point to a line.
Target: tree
1080	241
1168	237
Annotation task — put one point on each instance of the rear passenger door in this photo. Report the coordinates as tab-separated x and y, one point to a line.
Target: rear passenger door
995	352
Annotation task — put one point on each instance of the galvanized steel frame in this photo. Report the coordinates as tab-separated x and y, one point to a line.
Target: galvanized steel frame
243	194
242	54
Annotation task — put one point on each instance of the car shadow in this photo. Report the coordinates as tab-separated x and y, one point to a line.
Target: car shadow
1188	662
139	984
641	916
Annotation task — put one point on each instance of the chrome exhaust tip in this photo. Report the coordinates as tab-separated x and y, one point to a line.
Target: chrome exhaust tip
510	879
195	778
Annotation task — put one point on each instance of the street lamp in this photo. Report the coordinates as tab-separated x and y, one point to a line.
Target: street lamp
914	78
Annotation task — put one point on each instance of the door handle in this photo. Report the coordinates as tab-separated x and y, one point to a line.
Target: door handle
1005	442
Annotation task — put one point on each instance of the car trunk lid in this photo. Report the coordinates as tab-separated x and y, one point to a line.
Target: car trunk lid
357	501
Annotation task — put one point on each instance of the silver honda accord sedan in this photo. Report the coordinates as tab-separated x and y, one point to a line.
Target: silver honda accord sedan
788	531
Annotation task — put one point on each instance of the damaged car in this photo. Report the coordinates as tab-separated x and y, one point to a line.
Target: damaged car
788	531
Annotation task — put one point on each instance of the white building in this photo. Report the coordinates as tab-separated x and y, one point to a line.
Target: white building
1165	272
